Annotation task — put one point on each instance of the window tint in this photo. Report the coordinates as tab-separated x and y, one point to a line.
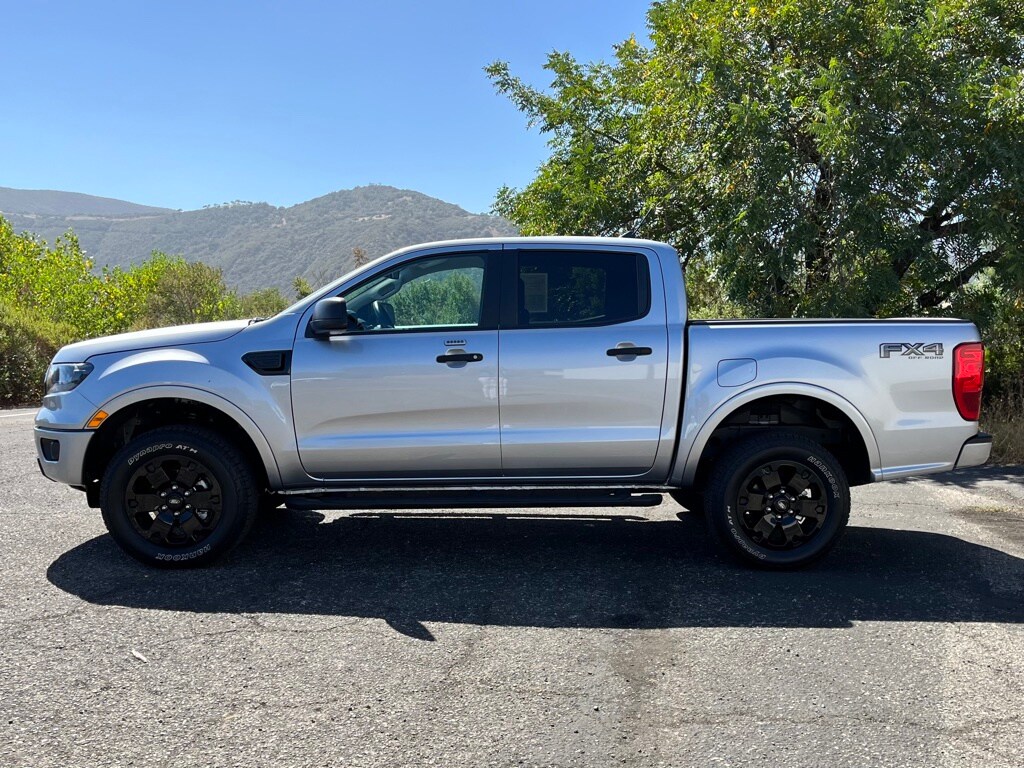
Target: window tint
428	293
565	288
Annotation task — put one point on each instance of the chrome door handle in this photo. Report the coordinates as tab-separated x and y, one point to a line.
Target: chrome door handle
629	351
461	357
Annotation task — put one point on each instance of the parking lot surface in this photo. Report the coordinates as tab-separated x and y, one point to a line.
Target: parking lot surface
563	637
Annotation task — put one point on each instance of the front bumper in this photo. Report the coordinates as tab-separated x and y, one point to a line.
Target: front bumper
975	451
62	458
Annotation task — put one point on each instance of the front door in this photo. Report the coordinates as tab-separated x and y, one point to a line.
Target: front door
584	353
413	392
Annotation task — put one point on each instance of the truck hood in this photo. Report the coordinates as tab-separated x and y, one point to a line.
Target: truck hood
157	337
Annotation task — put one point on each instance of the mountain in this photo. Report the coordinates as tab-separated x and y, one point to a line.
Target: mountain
49	202
256	244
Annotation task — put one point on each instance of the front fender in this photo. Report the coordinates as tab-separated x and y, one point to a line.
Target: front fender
214	401
212	374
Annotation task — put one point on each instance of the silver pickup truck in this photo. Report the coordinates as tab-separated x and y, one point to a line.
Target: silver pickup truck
514	372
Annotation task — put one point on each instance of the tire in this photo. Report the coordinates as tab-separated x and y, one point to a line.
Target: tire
178	497
270	503
688	499
778	501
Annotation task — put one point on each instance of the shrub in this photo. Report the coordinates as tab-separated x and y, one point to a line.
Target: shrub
27	343
1003	416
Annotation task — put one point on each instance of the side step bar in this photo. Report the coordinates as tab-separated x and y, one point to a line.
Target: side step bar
476	499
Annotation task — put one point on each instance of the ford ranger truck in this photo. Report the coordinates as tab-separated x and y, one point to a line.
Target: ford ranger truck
507	372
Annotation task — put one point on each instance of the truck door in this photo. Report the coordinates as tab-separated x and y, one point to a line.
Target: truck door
413	392
584	351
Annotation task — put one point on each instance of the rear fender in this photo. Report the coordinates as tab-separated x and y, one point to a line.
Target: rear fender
685	469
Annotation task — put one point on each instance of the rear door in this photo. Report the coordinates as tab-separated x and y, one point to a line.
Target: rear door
584	352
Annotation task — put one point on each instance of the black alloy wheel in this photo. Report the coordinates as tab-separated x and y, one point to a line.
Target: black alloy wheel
782	505
778	500
174	501
179	496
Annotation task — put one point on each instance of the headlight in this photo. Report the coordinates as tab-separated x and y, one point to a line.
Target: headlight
63	377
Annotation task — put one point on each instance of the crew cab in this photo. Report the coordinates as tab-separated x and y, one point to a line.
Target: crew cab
507	372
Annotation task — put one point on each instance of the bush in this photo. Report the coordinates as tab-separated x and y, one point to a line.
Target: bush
53	295
1003	416
27	343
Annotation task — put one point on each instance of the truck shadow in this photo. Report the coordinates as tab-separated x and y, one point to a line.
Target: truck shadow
556	571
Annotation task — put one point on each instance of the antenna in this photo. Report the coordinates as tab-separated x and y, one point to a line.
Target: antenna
634	231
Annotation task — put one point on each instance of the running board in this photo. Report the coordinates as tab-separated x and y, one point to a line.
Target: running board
477	499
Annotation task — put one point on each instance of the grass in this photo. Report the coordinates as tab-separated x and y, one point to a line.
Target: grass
1003	417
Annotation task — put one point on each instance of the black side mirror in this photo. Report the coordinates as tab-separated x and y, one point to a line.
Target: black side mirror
330	317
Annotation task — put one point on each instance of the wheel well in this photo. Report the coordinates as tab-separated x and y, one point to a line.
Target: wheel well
818	420
133	420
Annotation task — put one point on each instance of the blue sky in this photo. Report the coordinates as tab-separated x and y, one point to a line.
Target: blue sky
188	103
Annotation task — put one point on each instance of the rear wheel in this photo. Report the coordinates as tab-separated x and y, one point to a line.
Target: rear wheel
178	496
778	501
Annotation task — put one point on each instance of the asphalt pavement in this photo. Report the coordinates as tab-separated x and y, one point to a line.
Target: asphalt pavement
566	637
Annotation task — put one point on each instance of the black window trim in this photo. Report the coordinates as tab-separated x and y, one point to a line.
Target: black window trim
509	311
488	296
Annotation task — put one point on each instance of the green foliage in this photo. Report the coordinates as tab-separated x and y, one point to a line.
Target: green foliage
27	343
301	287
815	156
265	303
51	296
993	302
452	300
1003	417
186	292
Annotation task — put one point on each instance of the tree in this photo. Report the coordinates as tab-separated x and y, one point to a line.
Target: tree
185	292
266	302
450	300
301	287
816	156
359	257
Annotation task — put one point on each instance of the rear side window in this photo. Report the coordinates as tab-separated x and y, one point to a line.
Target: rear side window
580	288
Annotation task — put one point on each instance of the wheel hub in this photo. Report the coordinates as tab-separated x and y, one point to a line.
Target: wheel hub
781	505
173	501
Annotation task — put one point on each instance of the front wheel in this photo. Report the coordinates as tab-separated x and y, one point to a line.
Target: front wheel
778	501
178	496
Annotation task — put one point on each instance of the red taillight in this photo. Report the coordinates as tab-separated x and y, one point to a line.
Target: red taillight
968	379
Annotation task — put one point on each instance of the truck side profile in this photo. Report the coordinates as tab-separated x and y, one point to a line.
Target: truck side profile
498	372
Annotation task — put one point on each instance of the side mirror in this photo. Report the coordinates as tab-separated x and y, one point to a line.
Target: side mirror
330	317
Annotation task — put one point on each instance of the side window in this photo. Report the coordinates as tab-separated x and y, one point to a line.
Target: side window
436	292
580	288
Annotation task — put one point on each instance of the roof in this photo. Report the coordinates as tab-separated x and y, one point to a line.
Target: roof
619	242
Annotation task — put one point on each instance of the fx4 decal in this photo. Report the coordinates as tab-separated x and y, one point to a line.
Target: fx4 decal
918	351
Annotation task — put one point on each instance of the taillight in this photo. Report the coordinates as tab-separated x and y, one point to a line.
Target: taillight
968	379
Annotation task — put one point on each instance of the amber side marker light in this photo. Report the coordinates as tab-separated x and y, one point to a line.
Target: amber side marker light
98	419
968	379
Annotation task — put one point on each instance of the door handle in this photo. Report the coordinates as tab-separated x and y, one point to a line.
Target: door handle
629	351
461	357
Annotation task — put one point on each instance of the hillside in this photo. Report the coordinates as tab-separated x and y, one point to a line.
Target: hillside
49	202
256	244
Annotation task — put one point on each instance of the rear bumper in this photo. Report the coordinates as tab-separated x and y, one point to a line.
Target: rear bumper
65	461
975	451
